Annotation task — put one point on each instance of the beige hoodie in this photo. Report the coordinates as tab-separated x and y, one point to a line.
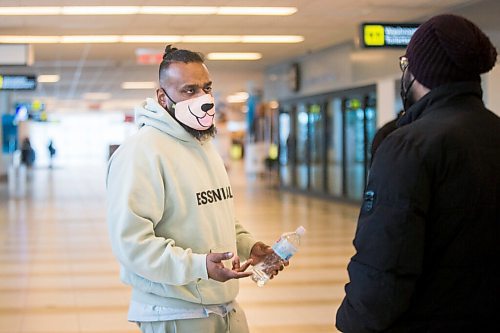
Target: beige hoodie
169	204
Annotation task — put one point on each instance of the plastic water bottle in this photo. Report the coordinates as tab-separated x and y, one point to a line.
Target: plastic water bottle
284	249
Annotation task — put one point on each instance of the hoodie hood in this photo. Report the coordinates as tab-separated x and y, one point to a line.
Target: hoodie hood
151	113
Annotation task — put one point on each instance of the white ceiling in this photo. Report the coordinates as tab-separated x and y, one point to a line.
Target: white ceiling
103	67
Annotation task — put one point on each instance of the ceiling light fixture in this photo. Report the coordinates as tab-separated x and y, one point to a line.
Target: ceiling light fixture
90	39
239	97
26	11
30	39
234	56
211	39
150	39
147	10
48	78
138	85
275	11
273	39
99	10
178	10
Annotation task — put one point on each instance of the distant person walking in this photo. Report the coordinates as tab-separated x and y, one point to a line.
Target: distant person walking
27	153
52	153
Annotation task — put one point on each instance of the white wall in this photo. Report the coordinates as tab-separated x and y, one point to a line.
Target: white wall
386	100
323	71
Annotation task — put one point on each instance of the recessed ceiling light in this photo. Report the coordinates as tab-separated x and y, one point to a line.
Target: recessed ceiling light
211	39
256	11
90	39
150	39
99	10
21	11
148	10
234	56
139	85
239	97
48	78
30	39
178	10
273	39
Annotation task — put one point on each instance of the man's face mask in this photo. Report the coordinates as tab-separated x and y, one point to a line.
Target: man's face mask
406	95
406	84
197	113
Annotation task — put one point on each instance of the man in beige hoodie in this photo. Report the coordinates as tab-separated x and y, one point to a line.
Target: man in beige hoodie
170	210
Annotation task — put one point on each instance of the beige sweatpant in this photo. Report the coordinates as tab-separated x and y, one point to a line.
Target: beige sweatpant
234	322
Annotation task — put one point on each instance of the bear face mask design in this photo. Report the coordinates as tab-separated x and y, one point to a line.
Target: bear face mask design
197	113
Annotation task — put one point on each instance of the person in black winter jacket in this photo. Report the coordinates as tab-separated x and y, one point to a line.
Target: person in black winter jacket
427	241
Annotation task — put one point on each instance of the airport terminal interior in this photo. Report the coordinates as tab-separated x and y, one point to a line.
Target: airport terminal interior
300	89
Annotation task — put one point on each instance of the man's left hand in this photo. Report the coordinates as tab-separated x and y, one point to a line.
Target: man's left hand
260	251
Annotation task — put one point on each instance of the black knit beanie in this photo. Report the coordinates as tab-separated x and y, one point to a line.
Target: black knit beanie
449	48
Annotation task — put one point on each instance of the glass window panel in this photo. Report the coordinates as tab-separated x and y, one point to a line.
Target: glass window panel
334	150
285	151
317	137
301	147
354	148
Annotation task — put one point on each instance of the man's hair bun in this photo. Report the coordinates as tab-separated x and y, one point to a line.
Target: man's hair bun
173	54
168	51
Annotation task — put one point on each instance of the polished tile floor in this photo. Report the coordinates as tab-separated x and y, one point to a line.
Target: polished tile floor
57	272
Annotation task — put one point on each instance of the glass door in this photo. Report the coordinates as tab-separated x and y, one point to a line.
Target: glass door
301	149
286	148
316	149
334	146
359	129
325	142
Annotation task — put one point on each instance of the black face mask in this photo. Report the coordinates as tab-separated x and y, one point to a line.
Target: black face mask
406	95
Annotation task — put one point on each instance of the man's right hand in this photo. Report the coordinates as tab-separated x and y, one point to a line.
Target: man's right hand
217	271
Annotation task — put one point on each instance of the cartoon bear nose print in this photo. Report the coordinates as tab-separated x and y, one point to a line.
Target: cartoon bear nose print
207	106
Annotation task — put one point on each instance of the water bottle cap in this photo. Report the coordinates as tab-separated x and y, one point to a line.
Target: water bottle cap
300	231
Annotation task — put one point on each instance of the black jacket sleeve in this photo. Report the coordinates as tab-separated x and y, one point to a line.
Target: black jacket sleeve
389	239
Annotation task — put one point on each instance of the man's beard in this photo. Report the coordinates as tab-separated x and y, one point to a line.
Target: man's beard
200	135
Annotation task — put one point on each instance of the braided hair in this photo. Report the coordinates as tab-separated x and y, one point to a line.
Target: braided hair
173	54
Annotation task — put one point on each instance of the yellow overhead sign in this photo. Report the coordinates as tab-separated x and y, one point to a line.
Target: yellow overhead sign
373	35
387	34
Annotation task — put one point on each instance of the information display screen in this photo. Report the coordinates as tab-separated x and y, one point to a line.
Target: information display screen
17	82
387	35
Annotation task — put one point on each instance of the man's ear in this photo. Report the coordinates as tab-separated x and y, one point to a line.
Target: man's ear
161	97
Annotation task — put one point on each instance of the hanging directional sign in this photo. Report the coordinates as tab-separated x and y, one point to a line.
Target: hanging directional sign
387	35
17	82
